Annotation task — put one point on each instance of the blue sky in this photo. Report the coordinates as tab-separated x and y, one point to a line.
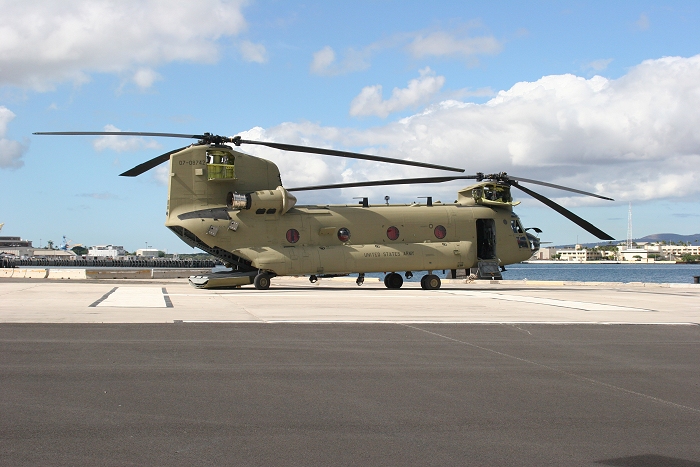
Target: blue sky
601	96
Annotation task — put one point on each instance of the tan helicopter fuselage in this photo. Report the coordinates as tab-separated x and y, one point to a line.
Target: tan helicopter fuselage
233	202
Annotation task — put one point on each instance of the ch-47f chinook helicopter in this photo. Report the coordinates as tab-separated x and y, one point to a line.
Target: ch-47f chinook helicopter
233	206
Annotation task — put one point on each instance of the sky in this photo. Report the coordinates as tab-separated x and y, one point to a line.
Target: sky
596	95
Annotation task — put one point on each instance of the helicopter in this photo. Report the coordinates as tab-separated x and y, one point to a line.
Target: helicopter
234	206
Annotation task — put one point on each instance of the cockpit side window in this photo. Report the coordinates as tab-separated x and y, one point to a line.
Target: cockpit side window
517	228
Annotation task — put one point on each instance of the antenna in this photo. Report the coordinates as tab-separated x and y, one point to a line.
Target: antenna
629	228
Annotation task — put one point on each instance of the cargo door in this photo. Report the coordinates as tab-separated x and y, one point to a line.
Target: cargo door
485	239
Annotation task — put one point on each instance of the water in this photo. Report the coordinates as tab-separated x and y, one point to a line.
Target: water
655	273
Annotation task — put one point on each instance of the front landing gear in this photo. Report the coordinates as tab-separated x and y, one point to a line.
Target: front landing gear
430	282
360	279
262	281
393	281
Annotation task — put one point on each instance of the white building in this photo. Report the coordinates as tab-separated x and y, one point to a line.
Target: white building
679	250
147	252
579	254
106	251
634	254
544	254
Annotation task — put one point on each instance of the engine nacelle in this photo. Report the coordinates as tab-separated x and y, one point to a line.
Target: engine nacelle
263	201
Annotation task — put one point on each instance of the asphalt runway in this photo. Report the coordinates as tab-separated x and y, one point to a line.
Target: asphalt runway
312	391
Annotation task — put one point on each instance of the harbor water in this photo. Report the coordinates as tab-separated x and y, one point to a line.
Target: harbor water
582	272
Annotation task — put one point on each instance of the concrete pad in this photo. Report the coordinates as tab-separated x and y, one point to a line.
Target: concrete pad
6	272
295	300
133	297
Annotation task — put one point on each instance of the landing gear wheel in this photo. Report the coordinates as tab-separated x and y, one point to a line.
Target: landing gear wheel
393	281
430	282
262	281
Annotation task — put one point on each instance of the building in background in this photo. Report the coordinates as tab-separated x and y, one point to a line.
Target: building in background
579	254
147	252
24	249
106	251
16	246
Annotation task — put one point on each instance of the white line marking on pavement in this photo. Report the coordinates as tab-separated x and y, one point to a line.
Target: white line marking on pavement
585	306
135	297
564	372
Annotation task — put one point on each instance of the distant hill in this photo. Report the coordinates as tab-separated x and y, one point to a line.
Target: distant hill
660	237
670	237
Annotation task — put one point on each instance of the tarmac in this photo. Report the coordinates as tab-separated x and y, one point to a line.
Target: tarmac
155	372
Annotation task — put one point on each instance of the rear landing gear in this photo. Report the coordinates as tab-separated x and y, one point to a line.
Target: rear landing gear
430	282
393	281
262	281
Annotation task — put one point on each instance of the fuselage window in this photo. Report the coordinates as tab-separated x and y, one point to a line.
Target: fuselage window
440	232
292	235
392	233
515	225
343	234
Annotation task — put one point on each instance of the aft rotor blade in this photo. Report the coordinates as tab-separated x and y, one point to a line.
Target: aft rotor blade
566	213
558	187
350	155
118	133
401	181
216	139
148	165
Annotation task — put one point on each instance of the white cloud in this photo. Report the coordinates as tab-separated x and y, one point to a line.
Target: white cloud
253	52
598	65
322	60
145	77
99	196
43	42
122	143
643	22
633	138
161	174
441	43
458	42
11	151
6	116
419	91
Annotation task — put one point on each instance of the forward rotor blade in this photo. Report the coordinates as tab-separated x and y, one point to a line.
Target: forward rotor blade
350	155
584	224
118	133
558	187
148	165
401	181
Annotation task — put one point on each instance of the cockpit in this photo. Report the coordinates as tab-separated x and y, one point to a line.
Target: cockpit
525	239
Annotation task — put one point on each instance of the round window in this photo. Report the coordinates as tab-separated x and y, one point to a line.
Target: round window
343	234
392	232
440	232
292	235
